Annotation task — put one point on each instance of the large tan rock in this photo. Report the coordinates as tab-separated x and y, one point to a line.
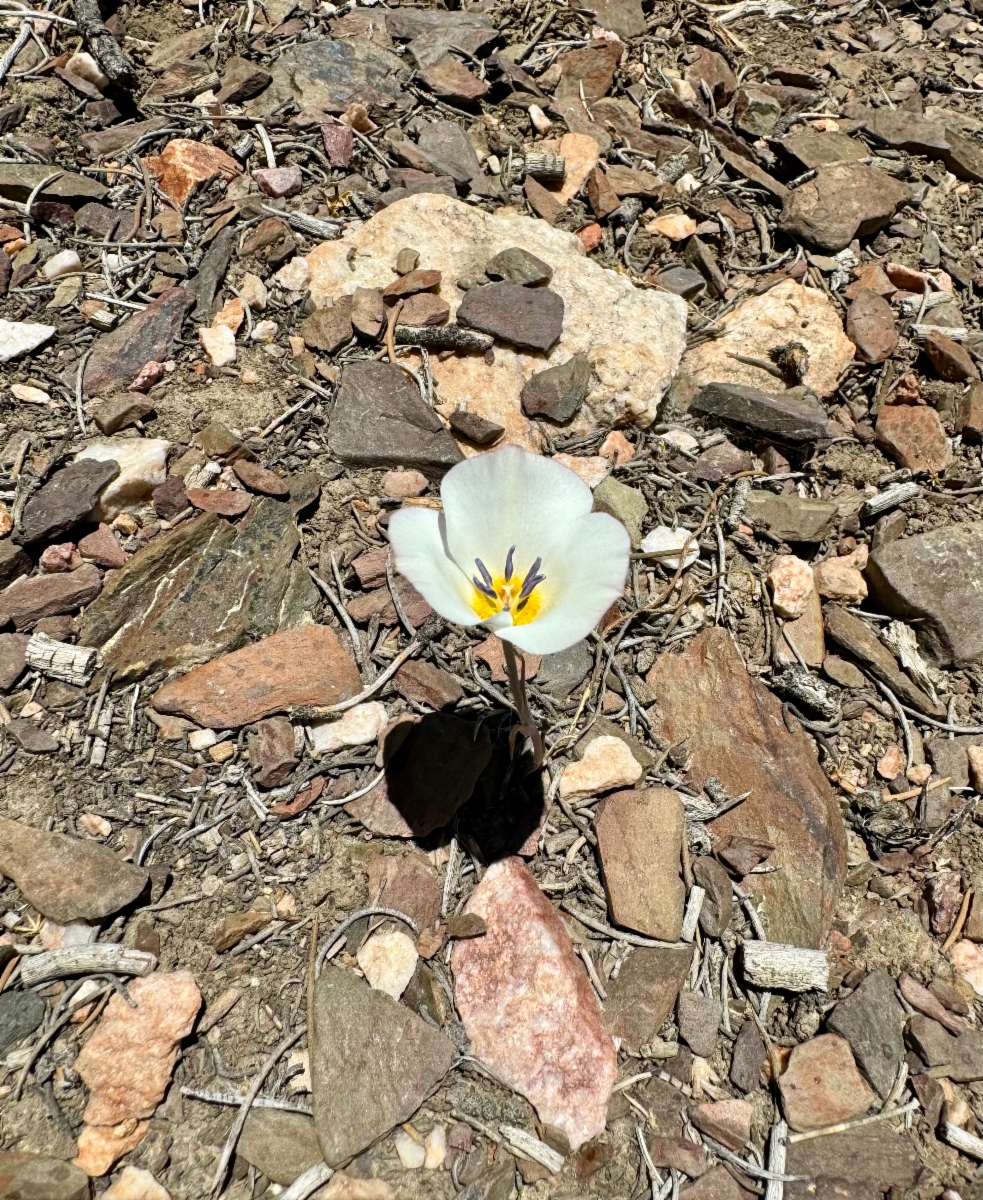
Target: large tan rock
633	338
786	313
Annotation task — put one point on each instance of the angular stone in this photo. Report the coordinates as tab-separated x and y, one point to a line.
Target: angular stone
271	752
859	1163
423	309
32	737
17	182
714	70
127	1063
170	498
14	562
388	960
587	74
790	417
13	658
116	412
748	1056
906	131
870	323
844	201
645	993
380	420
295	667
241	80
856	636
412	282
872	1020
373	1062
524	317
837	580
792	585
684	281
805	633
814	148
607	763
21	337
65	499
28	600
330	74
678	1153
558	392
716	1184
423	683
259	479
518	266
822	1086
226	502
36	1176
205	588
747	746
280	1145
142	467
430	772
726	1121
784	314
184	164
792	518
969	415
452	80
448	150
408	883
699	1018
632	337
718	903
235	926
639	838
20	1014
756	111
914	437
476	429
528	1006
951	361
118	357
935	580
67	879
623	17
368	311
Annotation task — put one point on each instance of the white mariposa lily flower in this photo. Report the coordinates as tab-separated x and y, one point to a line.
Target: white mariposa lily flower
516	548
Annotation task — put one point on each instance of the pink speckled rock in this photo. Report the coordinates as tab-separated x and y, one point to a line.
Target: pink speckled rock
528	1007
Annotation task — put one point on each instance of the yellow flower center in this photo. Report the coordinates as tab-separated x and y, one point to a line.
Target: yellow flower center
508	592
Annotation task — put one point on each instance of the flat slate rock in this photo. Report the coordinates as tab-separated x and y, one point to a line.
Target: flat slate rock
746	745
149	336
17	181
380	420
331	74
789	417
28	600
373	1063
20	1014
843	201
67	879
65	499
205	588
295	667
935	580
874	1157
36	1177
645	992
558	392
525	317
282	1145
516	265
907	131
872	1021
792	518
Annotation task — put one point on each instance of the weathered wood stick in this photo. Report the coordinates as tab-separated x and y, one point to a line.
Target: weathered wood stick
102	43
774	967
59	660
443	337
93	959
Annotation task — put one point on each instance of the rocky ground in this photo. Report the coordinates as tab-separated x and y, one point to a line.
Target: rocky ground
278	904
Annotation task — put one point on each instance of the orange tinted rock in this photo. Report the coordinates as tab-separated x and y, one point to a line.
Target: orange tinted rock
99	1146
822	1085
914	437
224	501
182	164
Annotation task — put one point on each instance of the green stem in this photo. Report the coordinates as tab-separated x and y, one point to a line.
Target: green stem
517	685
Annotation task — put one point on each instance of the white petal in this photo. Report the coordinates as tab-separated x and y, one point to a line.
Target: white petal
420	553
585	574
509	498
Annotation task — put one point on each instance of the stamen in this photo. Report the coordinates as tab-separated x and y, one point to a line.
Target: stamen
485	574
485	588
531	580
508	564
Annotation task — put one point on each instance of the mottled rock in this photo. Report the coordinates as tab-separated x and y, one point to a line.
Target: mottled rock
528	1007
26	1176
699	1018
792	584
870	323
241	80
756	112
854	635
356	727
423	309
295	667
118	357
407	883
226	502
822	1086
718	903
28	600
633	338
645	993
271	752
380	420
20	1014
373	1062
792	518
607	763
913	436
716	1184
475	428
587	74
844	201
184	164
518	266
785	313
726	1121
558	392
65	499
626	504
639	837
935	580
281	1145
871	1020
142	466
747	746
13	658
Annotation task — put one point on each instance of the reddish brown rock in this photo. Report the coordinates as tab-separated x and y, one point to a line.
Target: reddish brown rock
914	437
746	745
297	666
490	651
339	144
601	196
822	1086
183	163
13	658
726	1121
870	324
102	548
407	883
950	360
969	414
424	308
452	80
259	479
145	338
424	683
271	752
869	1161
639	838
224	501
27	600
528	1006
170	498
233	927
716	1184
414	281
645	993
679	1153
713	70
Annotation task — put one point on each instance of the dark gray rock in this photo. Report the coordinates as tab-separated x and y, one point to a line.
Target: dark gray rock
67	879
20	1014
380	420
448	149
26	1176
65	499
935	580
330	74
475	428
558	392
14	561
791	518
914	134
562	672
872	1021
282	1145
526	317
373	1063
699	1018
210	274
644	993
683	281
148	336
13	650
516	265
747	1058
788	416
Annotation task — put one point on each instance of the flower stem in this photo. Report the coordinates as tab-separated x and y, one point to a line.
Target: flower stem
517	685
